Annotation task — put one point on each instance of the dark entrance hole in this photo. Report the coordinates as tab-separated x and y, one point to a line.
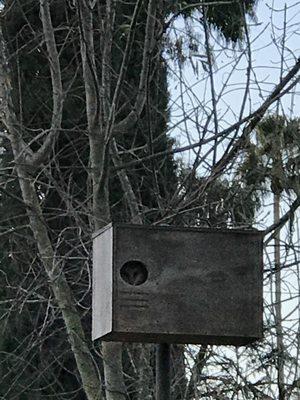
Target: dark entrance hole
134	272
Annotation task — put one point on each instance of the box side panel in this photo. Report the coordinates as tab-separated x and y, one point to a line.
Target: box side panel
200	284
102	284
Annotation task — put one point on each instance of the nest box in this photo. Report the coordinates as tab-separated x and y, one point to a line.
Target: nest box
177	285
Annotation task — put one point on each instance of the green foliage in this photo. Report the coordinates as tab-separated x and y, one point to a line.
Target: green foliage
227	18
272	158
224	203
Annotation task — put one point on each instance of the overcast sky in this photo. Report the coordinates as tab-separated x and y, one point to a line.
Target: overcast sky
266	36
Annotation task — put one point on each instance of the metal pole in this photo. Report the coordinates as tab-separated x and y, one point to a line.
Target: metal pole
163	378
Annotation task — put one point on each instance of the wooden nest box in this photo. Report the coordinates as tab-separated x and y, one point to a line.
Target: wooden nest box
177	285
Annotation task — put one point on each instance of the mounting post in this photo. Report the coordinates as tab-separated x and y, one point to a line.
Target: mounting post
163	368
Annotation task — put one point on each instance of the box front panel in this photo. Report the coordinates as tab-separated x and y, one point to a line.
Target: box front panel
188	282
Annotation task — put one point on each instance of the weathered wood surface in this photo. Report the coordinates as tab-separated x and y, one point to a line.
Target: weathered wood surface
203	286
102	300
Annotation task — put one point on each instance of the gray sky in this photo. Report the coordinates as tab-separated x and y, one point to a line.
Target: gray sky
266	37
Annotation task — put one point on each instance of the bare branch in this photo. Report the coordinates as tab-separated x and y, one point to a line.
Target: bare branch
134	114
57	91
